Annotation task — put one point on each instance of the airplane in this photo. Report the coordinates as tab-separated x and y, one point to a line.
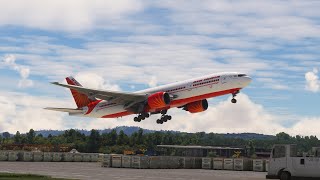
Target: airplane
190	95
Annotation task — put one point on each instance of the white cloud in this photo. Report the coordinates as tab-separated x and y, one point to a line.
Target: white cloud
225	117
25	83
9	60
307	126
153	82
143	61
72	15
282	20
21	112
93	80
245	116
24	72
312	81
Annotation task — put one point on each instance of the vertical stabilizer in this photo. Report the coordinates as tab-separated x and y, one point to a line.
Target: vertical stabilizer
80	99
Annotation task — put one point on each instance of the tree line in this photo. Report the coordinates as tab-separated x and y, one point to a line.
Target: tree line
114	142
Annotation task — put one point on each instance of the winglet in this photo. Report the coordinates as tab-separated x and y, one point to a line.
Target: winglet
55	83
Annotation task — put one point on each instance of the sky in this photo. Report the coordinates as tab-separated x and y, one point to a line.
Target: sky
134	44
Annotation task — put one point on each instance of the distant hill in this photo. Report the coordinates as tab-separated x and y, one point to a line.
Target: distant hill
128	130
131	129
248	136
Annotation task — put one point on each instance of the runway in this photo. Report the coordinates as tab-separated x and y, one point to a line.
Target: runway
82	170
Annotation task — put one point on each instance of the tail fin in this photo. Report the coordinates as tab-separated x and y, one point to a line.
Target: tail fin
80	99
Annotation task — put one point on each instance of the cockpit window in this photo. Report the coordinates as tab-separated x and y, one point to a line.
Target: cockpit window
241	75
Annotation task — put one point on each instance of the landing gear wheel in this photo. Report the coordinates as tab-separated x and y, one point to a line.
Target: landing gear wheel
159	121
285	176
165	119
233	100
169	118
147	115
135	119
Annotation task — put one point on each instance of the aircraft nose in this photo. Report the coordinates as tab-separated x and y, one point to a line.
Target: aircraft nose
247	80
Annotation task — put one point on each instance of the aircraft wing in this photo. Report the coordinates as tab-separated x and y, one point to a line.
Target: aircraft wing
111	96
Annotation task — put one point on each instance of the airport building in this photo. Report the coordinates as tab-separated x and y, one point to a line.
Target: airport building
200	151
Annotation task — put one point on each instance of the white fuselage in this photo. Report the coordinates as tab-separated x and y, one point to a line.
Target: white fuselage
183	92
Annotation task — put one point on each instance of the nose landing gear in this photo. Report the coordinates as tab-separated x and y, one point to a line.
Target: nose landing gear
233	100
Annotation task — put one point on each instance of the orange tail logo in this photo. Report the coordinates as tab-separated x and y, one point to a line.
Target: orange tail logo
80	99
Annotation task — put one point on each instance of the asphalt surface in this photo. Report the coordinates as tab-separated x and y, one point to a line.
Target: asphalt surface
75	170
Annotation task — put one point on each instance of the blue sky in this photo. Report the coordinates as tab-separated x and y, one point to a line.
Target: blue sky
135	44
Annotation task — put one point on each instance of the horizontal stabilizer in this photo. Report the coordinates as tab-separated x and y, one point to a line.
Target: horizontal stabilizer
69	110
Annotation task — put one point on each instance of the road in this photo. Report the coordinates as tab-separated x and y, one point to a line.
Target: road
75	170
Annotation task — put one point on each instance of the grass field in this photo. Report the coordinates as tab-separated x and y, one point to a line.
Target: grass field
12	176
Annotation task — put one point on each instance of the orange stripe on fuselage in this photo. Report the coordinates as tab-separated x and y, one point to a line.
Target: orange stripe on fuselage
116	115
178	103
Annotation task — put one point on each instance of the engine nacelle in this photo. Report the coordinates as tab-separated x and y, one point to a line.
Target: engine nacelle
197	106
159	100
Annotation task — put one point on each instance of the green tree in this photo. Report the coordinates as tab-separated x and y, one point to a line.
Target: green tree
251	148
94	141
133	139
6	136
39	139
71	136
30	136
283	137
140	137
122	139
113	138
17	138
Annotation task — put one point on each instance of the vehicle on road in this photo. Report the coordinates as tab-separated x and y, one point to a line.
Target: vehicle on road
285	164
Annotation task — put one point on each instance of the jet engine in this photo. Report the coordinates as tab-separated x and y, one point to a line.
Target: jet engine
158	100
197	106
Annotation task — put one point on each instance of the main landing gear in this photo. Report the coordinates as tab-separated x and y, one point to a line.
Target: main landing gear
233	100
164	117
141	116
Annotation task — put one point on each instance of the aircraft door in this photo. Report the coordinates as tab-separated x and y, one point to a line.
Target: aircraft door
224	79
